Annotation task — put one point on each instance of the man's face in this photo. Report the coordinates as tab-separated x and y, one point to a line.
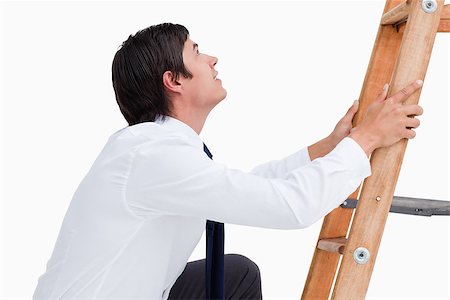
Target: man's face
204	89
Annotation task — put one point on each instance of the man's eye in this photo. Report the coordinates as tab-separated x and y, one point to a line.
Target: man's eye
198	52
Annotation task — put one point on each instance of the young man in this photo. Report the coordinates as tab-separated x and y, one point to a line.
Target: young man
141	209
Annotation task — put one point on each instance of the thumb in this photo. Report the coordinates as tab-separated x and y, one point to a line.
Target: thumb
352	110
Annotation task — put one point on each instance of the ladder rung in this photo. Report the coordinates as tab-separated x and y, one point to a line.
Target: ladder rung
412	206
445	14
333	245
396	14
444	24
399	15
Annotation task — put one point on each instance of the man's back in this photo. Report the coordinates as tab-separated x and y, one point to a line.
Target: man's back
105	249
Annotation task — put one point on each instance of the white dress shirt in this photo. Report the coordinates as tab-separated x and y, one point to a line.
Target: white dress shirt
141	209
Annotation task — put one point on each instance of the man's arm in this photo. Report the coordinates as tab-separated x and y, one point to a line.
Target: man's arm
175	177
322	147
279	168
190	184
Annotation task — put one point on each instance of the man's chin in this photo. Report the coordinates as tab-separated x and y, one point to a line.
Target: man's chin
219	99
224	95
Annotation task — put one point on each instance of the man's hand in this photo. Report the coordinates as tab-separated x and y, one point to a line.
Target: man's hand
388	120
344	126
341	130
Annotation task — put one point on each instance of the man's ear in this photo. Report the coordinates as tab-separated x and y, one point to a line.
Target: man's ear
170	83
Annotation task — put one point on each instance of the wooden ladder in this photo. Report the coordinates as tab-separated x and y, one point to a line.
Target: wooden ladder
400	56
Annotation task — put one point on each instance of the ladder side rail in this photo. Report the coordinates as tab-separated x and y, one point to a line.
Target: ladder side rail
336	224
370	216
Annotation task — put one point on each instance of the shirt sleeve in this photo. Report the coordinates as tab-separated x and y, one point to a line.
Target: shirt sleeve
179	179
280	168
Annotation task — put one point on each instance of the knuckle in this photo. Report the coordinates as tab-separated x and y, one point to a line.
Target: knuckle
404	123
396	98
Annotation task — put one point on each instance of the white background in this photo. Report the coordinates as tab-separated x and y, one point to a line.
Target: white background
291	70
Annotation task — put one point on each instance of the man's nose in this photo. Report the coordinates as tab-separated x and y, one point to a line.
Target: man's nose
213	61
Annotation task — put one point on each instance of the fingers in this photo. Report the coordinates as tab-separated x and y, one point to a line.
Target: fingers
407	91
382	95
412	123
352	110
412	110
355	106
409	134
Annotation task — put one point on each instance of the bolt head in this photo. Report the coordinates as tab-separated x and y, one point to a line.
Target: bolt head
361	255
429	6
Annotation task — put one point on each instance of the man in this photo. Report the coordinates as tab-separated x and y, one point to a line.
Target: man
141	209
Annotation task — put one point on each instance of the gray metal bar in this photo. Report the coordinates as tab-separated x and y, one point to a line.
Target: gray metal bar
411	206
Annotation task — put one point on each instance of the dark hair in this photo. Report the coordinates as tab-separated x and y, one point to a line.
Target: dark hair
138	67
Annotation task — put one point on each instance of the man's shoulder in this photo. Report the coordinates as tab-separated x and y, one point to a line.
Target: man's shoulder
150	133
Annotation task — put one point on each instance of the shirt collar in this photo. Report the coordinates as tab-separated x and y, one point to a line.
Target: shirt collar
179	126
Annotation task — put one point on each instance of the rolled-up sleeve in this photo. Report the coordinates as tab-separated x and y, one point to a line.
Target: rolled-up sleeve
179	179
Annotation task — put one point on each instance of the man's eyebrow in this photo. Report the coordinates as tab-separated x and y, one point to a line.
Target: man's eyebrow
195	45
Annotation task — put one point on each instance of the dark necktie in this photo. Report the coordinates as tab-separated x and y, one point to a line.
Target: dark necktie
214	255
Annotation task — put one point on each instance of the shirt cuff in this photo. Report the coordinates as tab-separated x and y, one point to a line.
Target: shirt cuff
354	156
298	159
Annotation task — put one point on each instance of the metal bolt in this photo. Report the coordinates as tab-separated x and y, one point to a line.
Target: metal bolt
378	198
361	255
429	6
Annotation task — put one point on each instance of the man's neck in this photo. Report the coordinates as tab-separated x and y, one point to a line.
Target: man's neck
193	120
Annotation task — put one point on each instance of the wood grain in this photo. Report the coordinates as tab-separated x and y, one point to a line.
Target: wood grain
381	65
396	14
333	245
444	23
370	217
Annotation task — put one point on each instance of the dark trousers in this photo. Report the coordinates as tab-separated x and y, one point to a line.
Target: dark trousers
242	280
